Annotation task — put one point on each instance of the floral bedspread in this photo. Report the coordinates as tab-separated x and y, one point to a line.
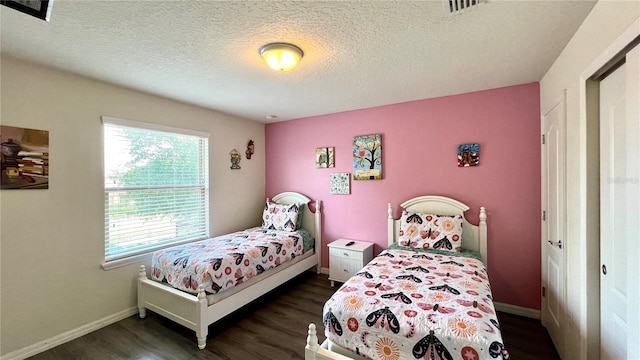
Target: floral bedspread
224	261
416	305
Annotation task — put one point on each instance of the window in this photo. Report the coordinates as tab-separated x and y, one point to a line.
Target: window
156	187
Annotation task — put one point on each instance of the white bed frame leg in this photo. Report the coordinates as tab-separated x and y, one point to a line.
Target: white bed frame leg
142	275
312	343
203	327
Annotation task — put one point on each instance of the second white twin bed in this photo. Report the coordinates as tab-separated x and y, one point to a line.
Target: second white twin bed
427	296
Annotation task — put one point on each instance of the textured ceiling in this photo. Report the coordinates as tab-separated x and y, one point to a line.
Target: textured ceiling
356	54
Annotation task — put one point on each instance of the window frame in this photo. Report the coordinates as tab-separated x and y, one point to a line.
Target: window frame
145	254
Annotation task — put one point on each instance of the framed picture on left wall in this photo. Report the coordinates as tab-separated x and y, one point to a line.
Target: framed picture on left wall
24	158
37	8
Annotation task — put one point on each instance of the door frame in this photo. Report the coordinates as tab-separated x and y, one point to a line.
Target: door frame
589	204
559	101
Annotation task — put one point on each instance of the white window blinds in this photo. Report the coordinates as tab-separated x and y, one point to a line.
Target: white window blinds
156	188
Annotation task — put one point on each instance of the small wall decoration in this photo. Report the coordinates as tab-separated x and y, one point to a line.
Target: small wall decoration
24	158
249	151
235	159
367	157
325	157
340	184
40	9
468	155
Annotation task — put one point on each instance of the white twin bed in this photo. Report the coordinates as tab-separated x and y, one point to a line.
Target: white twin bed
207	303
408	303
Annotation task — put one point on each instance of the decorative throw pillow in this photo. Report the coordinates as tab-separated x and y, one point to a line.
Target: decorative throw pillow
431	231
280	216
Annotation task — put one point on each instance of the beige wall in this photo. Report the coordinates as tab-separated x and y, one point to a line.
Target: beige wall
52	241
606	22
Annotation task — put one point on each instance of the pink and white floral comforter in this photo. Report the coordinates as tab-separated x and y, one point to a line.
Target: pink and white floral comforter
416	305
224	261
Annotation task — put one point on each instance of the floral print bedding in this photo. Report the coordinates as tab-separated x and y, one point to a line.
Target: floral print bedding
225	261
416	305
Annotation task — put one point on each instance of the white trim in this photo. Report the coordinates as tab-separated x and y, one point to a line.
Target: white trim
54	341
150	126
517	310
324	271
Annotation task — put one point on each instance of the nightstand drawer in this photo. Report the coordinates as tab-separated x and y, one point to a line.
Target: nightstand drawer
344	253
342	269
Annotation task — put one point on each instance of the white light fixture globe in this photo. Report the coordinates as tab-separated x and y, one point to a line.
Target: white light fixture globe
281	56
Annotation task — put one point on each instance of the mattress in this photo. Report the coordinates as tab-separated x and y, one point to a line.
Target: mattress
416	305
227	261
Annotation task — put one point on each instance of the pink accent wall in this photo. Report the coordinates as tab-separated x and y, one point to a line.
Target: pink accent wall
419	145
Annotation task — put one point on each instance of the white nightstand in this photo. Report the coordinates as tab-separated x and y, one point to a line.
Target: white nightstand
345	261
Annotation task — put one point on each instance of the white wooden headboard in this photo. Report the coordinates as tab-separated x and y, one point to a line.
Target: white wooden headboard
313	224
474	237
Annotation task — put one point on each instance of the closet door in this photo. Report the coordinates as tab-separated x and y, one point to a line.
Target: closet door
619	207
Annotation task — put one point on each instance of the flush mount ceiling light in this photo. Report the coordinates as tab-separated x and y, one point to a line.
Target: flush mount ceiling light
281	56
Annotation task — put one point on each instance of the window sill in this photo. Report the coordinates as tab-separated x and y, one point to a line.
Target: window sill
136	259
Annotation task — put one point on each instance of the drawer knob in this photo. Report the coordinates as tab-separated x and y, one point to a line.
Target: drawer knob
345	254
345	270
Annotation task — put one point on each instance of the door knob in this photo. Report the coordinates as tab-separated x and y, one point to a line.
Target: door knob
604	269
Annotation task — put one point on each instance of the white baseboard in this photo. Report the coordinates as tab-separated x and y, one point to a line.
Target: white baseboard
517	310
324	271
68	336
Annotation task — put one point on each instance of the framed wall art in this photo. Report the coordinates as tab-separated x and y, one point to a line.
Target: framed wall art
367	157
468	155
235	158
325	157
37	8
340	184
24	158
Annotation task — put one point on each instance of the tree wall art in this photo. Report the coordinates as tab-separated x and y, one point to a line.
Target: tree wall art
367	157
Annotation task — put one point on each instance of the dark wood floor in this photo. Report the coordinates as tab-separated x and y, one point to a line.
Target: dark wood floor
272	327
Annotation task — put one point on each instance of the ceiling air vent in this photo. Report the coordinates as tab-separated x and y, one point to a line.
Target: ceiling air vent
454	7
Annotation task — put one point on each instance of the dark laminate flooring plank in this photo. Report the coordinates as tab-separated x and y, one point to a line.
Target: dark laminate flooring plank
526	338
272	327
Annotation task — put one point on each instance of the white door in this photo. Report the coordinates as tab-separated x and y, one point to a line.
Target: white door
619	211
553	268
